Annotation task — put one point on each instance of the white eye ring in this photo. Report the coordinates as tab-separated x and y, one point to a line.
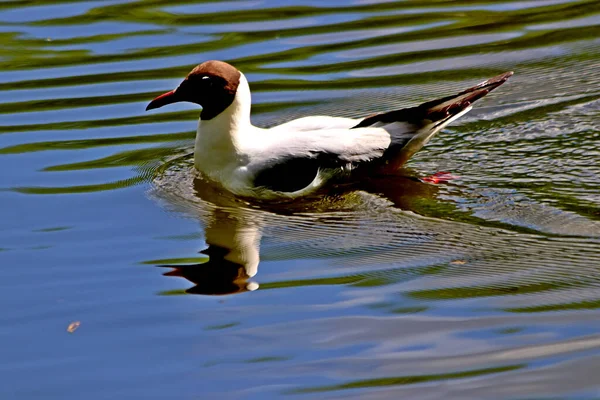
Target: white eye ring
206	77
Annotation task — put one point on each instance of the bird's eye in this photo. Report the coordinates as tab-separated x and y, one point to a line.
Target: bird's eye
207	80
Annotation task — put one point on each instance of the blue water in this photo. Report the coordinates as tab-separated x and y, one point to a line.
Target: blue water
483	287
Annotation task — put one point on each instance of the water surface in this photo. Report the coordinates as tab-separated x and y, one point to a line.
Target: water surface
484	287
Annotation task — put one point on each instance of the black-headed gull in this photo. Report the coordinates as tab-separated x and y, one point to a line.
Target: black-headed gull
300	156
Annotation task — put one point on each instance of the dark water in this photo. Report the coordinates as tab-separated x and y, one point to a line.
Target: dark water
485	287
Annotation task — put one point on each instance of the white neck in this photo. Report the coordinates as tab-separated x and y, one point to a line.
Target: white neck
218	145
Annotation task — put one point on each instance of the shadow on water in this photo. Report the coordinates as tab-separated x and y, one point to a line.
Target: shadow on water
380	220
233	228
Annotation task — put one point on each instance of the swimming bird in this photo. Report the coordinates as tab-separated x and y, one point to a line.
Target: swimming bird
298	157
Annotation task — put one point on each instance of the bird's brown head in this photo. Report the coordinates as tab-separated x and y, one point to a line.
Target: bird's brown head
212	85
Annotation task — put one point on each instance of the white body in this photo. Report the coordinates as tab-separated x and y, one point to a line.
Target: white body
231	151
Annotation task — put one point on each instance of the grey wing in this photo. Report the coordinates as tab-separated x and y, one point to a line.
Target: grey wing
293	161
316	123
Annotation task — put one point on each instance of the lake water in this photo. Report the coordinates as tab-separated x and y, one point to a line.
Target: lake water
125	276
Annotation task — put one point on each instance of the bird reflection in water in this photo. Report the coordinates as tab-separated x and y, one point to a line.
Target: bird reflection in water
234	228
233	239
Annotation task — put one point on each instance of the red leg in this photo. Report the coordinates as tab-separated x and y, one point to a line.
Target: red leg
439	177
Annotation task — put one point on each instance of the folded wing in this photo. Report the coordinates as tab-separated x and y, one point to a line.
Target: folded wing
411	128
306	152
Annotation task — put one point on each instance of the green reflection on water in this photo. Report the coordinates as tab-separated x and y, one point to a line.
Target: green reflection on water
410	380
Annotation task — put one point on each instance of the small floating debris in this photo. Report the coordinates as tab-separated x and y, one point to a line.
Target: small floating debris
73	326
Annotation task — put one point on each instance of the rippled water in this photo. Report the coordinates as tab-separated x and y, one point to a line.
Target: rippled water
485	287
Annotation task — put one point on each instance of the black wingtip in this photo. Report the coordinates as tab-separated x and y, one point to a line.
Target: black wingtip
491	83
439	109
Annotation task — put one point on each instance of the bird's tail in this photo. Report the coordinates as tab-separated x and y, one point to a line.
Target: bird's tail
424	121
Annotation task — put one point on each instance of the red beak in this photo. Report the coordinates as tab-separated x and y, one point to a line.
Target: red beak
163	100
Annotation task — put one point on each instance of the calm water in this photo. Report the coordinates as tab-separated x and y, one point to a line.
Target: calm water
485	287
